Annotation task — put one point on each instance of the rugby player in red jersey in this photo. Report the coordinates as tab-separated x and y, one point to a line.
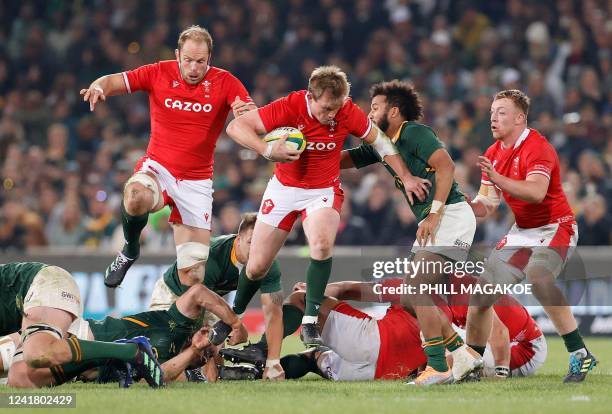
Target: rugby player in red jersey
524	167
310	185
189	102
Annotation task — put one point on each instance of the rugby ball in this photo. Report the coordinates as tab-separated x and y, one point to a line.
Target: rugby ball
295	138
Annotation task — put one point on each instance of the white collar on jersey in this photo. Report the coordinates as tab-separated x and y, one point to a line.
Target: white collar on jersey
520	139
308	104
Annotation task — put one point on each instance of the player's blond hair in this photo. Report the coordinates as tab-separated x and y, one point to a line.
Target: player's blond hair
329	78
197	34
520	100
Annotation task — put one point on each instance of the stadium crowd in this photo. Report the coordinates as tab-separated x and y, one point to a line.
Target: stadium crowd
62	167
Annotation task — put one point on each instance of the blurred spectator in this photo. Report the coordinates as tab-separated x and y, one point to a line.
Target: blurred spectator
593	225
458	54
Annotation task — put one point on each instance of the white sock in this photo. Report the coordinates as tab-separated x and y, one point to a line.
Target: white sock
309	319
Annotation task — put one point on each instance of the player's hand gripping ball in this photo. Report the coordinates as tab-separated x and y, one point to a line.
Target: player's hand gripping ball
295	138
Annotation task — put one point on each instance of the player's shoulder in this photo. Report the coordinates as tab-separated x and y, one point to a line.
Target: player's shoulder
536	142
222	240
535	138
217	73
348	108
166	66
412	128
295	101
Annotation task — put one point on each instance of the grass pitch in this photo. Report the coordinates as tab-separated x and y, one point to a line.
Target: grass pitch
544	393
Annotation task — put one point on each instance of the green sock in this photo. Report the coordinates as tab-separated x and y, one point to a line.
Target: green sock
297	365
87	350
132	227
573	341
454	342
292	319
434	349
65	372
317	276
245	291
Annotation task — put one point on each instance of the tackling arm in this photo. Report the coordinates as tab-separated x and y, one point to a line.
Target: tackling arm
388	152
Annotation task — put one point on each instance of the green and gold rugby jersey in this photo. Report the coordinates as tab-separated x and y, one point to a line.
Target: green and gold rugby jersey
415	143
15	281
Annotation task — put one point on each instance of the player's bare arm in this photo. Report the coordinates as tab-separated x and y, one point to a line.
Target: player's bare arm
414	186
499	341
246	129
532	189
199	297
444	166
107	85
175	367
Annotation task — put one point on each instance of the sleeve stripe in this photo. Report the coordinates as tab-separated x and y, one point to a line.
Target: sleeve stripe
368	129
538	172
127	82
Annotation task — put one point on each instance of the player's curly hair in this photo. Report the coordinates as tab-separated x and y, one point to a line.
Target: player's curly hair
196	33
402	95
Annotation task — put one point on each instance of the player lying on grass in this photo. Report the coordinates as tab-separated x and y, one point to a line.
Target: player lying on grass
173	334
517	346
42	302
228	256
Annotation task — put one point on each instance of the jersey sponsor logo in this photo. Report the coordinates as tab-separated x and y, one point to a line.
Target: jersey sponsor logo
320	146
325	199
267	206
175	83
206	216
187	106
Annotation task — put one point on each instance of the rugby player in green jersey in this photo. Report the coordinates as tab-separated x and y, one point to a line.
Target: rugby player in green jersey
42	302
173	334
446	221
228	255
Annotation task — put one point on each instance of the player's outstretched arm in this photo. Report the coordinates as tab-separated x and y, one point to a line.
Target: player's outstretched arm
199	298
175	367
245	130
107	85
416	186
